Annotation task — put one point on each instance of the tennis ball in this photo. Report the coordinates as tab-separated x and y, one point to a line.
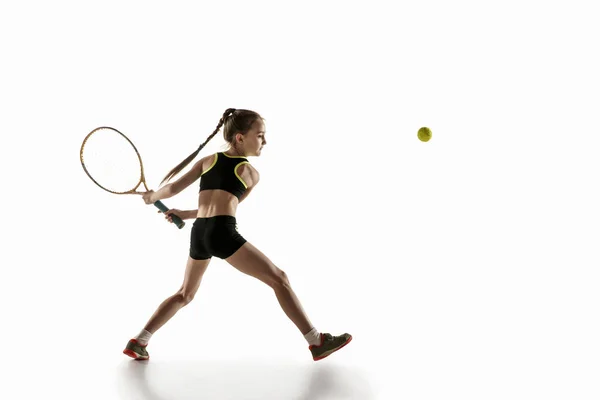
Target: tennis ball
424	134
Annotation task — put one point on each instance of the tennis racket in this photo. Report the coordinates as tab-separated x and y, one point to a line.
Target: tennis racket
112	162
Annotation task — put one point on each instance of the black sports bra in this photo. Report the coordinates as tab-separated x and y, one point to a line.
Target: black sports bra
222	174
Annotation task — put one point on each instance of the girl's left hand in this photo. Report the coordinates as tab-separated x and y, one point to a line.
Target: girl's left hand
148	197
169	214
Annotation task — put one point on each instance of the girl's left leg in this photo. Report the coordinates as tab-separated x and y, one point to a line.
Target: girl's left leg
136	348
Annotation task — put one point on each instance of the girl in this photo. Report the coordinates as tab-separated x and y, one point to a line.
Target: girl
227	178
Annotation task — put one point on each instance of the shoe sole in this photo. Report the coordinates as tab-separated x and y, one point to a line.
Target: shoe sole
328	353
135	355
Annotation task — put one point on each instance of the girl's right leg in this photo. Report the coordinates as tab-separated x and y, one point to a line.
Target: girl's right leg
249	260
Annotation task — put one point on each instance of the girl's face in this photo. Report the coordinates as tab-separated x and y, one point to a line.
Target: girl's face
254	140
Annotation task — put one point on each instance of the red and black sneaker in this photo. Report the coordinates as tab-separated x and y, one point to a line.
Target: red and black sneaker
329	344
135	350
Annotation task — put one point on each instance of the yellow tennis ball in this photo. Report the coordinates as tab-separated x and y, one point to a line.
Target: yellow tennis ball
424	134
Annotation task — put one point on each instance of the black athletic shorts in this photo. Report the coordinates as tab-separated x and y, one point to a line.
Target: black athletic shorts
215	236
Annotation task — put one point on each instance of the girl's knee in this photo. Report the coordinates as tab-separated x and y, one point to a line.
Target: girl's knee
280	279
184	297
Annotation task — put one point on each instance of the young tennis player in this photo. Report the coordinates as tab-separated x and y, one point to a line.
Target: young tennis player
226	179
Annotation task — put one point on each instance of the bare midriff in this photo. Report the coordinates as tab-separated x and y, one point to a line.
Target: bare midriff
216	202
220	202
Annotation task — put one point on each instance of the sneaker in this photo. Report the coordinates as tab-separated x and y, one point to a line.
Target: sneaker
329	344
135	350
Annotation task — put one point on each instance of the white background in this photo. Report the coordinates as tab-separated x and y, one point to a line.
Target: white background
465	267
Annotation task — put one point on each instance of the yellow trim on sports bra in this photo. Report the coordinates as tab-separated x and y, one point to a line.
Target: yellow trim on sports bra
239	177
211	165
227	155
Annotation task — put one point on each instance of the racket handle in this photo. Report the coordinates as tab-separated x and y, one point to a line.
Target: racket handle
180	224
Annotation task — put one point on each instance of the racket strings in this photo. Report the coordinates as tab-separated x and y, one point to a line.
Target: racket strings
111	161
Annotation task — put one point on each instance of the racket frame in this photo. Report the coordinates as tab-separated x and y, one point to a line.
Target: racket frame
159	204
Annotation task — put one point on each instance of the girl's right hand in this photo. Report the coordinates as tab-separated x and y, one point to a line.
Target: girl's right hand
171	212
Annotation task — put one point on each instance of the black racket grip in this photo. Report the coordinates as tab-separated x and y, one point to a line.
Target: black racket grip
180	224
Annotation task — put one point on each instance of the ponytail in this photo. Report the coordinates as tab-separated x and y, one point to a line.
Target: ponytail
185	162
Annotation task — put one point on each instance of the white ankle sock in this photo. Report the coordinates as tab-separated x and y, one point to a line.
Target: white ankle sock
143	337
313	337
